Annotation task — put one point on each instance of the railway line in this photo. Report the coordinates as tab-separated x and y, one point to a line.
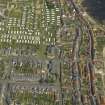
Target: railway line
89	62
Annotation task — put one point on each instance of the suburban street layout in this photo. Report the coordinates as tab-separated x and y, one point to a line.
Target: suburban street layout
48	54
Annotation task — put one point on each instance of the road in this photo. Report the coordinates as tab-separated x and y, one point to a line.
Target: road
75	70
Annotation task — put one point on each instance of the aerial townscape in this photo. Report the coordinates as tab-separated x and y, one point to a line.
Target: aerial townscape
52	52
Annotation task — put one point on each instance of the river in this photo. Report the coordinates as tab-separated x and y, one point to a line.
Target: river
96	8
